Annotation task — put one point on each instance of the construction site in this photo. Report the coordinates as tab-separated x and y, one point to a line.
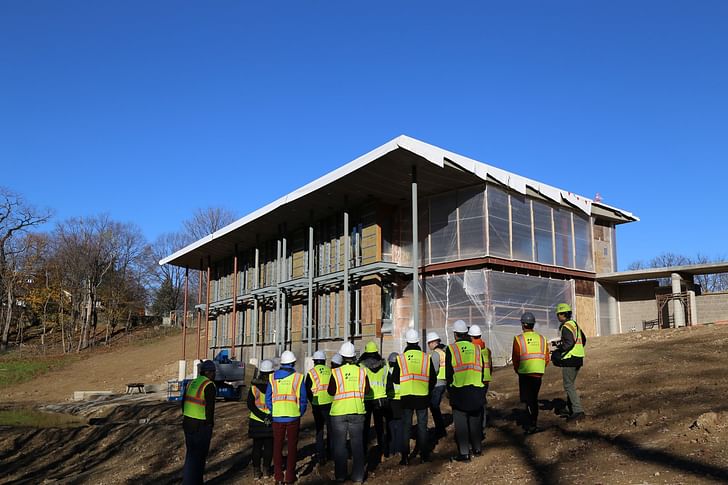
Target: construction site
407	236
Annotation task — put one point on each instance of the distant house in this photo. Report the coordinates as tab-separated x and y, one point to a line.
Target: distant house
335	259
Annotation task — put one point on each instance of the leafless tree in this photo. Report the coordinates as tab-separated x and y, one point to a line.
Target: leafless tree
206	221
708	282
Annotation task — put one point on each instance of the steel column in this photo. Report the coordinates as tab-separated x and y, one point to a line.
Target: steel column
184	315
309	349
255	305
207	308
415	255
235	302
347	312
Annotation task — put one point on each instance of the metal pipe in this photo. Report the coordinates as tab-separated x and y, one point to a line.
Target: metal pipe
347	312
207	308
284	301
278	298
310	290
235	302
184	316
199	312
255	305
415	255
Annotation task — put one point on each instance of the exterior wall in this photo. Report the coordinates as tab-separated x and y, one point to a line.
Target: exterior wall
586	314
603	247
712	307
637	303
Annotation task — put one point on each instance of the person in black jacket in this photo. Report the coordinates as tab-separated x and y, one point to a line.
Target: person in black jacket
377	373
198	421
259	421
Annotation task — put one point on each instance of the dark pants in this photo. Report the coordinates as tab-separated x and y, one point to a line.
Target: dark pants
353	425
262	449
435	401
377	411
394	426
468	429
422	444
529	387
288	432
198	444
321	419
485	408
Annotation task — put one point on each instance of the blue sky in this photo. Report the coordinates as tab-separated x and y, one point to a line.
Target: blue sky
149	110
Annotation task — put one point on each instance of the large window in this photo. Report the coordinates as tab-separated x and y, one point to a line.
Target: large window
583	242
498	223
543	231
562	237
522	236
471	222
443	228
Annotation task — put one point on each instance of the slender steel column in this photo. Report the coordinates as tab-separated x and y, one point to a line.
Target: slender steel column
199	312
278	298
184	315
415	255
235	302
255	305
347	312
309	349
207	308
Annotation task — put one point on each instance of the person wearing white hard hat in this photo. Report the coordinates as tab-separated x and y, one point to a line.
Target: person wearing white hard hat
348	386
260	428
416	378
464	372
317	390
336	361
286	398
437	355
476	338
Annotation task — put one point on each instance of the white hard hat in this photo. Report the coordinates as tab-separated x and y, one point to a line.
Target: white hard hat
412	336
266	366
288	357
319	355
336	359
347	350
432	336
460	327
474	331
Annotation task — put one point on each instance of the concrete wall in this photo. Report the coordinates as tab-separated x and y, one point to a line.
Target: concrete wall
712	307
636	303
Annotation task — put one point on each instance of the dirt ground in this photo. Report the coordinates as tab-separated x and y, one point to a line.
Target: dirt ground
656	402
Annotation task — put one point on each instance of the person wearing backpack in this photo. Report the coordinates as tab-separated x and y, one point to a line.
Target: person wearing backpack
570	357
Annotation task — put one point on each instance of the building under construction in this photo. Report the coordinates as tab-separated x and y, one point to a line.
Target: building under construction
407	235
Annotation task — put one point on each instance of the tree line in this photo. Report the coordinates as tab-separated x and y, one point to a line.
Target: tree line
86	278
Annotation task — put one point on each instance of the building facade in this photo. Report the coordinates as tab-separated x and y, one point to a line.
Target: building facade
408	235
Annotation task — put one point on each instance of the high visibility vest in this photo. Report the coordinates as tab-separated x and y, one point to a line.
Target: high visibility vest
394	394
467	364
350	382
414	373
259	403
377	383
532	347
286	396
487	376
194	405
441	369
578	349
320	376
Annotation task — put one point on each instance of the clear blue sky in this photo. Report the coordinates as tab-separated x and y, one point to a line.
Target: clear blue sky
149	110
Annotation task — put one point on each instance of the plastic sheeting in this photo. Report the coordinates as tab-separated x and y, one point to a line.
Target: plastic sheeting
491	299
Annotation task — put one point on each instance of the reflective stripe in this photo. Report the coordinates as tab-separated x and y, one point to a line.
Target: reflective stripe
350	386
259	398
533	356
377	383
578	349
285	395
194	399
320	377
441	370
414	382
468	364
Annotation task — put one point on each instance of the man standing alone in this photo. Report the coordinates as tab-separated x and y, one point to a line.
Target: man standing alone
530	358
571	348
198	409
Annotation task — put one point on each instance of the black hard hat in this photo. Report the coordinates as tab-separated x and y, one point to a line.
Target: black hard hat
528	319
207	366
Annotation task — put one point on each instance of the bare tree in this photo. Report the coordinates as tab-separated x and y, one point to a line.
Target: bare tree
206	221
169	280
16	218
708	282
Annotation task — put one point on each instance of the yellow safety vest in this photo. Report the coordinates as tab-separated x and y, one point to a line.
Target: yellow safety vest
467	364
320	376
578	349
394	393
487	376
532	348
350	382
286	396
259	403
377	383
414	373
441	369
194	405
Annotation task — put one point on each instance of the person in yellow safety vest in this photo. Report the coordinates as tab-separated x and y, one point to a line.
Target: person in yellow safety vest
571	353
286	398
437	355
416	378
530	357
198	410
317	390
375	402
394	408
476	338
466	374
348	386
260	428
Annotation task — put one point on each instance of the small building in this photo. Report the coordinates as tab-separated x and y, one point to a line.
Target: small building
407	235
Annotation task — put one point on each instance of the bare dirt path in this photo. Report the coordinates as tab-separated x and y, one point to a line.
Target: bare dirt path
657	414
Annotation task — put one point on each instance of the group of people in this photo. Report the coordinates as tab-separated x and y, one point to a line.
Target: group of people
350	393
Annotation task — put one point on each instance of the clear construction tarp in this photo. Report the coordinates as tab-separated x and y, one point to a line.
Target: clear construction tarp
494	301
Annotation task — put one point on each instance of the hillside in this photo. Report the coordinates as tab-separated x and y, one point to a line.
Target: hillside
656	402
